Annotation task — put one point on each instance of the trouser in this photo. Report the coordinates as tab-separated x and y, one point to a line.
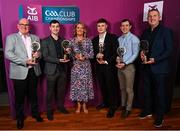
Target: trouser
23	88
106	78
56	89
126	80
154	89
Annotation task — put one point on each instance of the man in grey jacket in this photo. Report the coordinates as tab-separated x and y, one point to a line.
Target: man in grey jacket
24	71
55	69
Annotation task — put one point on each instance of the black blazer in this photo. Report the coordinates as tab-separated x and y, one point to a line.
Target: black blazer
161	49
50	55
111	45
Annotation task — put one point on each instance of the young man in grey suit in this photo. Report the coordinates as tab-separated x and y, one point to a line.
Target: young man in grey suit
55	69
23	70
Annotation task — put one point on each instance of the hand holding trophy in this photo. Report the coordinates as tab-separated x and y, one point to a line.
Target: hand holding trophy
100	55
120	51
144	45
35	47
65	44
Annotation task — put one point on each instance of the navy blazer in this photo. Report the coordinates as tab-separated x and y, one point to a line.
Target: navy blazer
161	49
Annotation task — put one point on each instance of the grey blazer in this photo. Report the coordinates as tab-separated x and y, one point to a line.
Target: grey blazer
15	52
50	56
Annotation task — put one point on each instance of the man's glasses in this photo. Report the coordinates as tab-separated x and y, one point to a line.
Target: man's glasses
25	25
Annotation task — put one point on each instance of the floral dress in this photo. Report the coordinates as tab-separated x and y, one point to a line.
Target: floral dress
81	88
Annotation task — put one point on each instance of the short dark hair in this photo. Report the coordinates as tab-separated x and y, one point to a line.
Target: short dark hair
54	22
102	20
124	20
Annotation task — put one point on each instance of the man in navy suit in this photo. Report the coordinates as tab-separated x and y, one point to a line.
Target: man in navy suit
156	68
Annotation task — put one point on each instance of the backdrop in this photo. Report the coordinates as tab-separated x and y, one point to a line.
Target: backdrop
90	11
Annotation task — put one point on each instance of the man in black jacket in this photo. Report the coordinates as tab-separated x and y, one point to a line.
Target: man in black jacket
105	46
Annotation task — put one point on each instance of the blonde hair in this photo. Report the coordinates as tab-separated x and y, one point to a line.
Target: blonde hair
84	28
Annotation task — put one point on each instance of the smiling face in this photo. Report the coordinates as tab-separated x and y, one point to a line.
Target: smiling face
153	18
80	30
125	27
23	26
54	28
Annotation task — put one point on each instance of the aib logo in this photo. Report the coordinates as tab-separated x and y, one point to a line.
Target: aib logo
32	13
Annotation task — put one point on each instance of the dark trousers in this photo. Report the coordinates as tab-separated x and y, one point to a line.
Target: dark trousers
23	88
106	79
154	92
56	89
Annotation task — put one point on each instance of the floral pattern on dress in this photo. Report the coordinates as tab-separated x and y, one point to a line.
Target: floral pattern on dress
81	88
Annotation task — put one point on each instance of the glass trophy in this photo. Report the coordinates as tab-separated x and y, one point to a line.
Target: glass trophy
144	46
120	52
80	49
101	50
65	44
35	47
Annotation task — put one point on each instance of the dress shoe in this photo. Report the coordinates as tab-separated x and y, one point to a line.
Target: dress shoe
144	114
101	106
110	113
20	124
64	111
38	118
50	115
158	121
125	114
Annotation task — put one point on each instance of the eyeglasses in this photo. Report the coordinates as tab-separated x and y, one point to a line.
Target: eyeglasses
25	25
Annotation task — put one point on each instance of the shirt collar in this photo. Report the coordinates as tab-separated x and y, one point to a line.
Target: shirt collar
22	34
126	35
102	35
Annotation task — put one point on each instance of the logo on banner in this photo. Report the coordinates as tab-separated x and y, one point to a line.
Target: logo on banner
153	5
37	13
65	15
31	12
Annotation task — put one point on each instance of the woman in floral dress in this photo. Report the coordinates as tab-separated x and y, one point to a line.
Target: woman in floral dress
81	89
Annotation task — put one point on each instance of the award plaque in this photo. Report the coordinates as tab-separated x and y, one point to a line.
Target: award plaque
65	44
35	47
144	46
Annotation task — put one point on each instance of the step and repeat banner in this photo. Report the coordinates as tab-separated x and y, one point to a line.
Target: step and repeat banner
69	12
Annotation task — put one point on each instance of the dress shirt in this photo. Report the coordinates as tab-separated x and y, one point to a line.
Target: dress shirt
130	43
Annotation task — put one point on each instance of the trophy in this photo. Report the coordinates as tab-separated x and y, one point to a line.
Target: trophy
80	49
144	45
101	50
120	52
65	44
35	47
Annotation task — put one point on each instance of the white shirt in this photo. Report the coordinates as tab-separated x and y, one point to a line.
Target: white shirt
102	37
27	42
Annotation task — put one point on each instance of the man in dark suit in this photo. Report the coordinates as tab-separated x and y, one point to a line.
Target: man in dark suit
24	71
105	45
156	67
55	68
